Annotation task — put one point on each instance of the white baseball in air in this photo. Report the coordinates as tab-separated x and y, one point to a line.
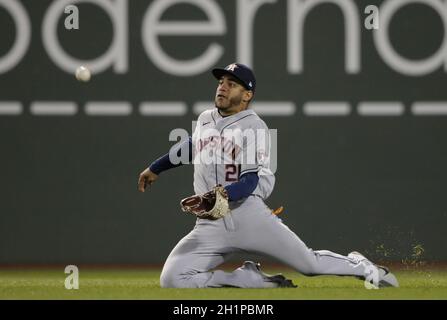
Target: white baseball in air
83	74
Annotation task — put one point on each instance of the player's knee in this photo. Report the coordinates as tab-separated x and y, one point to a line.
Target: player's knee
309	267
164	281
173	278
168	279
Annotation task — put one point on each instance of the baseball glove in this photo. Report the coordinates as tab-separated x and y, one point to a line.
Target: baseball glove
212	205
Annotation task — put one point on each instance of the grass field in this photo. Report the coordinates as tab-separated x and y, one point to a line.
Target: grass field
94	283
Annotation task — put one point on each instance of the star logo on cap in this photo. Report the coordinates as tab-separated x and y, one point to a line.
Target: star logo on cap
250	84
231	67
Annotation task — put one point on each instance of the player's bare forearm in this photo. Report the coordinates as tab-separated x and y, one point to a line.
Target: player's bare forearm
146	178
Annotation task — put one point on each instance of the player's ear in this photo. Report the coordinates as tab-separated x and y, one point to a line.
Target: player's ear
248	95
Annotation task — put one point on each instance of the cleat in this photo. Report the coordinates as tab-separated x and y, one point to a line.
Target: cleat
386	278
281	281
278	280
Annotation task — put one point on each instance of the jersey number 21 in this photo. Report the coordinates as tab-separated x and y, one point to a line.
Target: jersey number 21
232	172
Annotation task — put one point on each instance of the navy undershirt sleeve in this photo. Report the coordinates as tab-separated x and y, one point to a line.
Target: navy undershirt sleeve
242	188
163	163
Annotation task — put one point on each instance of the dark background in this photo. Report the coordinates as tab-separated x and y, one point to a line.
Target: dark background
373	184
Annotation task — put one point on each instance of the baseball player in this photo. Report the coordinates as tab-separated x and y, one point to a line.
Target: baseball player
230	150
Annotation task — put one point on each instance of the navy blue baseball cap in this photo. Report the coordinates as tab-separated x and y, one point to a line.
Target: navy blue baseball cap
241	72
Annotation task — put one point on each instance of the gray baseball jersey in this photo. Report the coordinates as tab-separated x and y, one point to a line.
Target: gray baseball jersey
225	148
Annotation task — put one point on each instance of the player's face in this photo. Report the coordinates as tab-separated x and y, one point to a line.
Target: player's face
229	95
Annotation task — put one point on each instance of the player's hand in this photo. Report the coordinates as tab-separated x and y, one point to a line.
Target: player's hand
147	177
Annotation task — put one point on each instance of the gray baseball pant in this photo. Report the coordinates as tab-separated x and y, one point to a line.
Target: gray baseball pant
251	227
